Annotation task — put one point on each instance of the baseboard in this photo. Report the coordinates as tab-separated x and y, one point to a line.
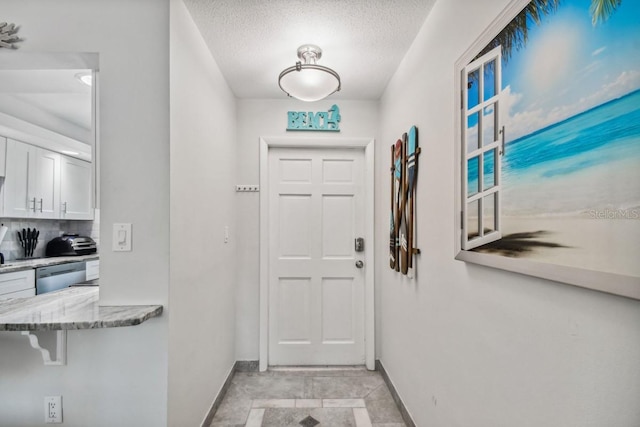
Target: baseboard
394	393
247	366
216	403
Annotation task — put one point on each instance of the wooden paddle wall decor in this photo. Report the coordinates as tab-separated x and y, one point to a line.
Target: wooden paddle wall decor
404	176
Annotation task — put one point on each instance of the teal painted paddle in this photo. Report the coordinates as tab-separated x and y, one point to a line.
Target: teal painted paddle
404	252
412	172
392	234
397	162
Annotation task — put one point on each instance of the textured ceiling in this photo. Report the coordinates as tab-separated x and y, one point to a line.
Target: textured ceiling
254	40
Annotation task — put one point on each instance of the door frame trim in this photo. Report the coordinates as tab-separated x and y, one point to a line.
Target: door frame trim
367	144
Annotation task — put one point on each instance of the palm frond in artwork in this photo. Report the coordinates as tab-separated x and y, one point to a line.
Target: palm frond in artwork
516	34
601	9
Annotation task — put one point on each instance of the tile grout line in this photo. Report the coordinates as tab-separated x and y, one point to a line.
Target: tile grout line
375	389
255	418
294	403
313	380
362	418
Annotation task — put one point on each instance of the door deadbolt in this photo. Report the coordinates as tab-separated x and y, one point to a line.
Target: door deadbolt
359	244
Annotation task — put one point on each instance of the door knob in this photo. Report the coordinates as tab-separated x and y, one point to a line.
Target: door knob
359	264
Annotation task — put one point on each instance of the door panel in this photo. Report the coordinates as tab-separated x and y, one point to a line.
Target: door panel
316	293
336	231
337	171
294	320
295	236
338	312
295	170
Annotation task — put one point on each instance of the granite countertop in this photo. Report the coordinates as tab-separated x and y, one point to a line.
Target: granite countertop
76	307
29	264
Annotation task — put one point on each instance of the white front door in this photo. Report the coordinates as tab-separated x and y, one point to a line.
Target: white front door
316	291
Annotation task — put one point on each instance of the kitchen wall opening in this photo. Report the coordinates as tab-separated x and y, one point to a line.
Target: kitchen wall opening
48	150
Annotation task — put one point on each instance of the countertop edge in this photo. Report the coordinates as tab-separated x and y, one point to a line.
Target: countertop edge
32	264
150	312
71	308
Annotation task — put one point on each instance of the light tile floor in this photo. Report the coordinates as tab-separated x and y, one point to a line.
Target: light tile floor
294	397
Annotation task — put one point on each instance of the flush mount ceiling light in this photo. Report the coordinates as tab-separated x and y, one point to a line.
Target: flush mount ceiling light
86	78
308	81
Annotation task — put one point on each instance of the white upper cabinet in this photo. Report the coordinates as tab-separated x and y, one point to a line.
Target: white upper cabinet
47	184
76	189
19	181
3	155
32	183
40	183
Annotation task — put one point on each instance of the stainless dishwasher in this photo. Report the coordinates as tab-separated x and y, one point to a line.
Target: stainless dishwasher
54	277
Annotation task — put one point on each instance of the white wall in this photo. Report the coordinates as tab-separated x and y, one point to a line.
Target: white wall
113	376
473	346
268	117
202	293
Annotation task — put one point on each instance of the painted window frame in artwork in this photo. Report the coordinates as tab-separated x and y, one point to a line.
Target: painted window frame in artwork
617	284
484	195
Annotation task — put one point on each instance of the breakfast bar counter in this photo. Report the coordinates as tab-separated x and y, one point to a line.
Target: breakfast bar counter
28	264
76	307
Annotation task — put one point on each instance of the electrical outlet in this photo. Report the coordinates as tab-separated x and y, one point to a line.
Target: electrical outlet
53	409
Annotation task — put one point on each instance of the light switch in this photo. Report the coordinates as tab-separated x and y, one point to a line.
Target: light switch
122	237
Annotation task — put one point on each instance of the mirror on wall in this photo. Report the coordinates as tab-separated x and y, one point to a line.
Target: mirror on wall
49	99
48	146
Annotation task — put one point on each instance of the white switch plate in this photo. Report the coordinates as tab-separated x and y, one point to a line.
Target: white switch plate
121	237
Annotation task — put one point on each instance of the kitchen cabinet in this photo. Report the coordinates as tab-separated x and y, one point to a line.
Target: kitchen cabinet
17	284
76	201
3	155
92	269
32	183
16	188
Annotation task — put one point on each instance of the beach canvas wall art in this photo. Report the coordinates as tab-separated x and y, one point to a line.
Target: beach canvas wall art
550	138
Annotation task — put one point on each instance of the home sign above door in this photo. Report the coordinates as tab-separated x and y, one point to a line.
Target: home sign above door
324	121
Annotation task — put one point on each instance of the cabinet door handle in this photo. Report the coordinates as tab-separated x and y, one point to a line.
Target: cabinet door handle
41	204
34	204
64	210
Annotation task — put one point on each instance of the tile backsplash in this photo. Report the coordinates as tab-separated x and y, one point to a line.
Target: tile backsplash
49	229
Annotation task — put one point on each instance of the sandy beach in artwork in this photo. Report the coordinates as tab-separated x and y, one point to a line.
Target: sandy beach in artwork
608	245
580	210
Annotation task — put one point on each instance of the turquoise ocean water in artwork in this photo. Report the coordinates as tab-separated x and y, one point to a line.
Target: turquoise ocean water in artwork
614	125
589	161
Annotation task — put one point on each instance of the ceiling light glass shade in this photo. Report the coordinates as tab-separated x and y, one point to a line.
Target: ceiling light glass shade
86	78
309	81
